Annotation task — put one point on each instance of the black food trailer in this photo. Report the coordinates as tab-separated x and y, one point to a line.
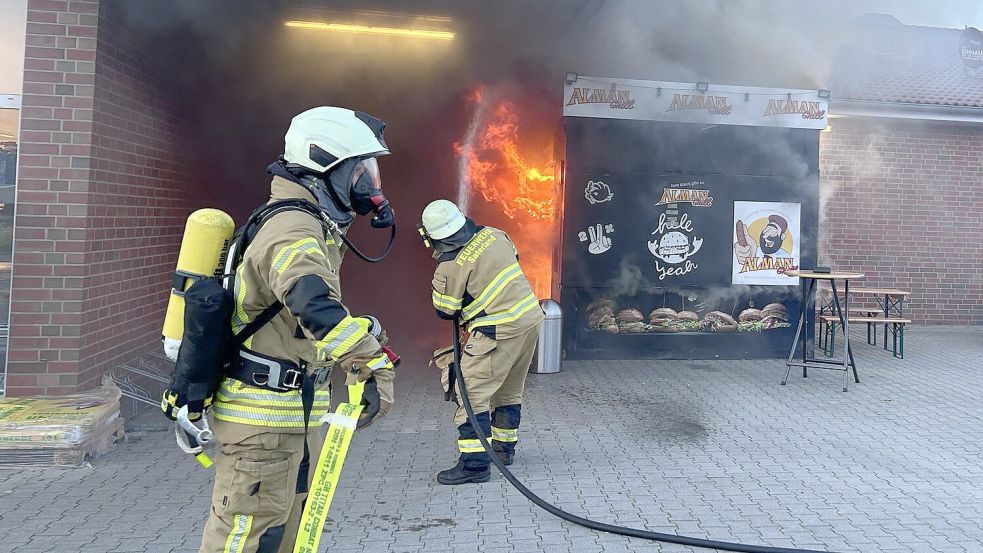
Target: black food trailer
684	205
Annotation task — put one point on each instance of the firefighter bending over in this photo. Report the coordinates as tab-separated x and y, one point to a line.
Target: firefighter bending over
478	280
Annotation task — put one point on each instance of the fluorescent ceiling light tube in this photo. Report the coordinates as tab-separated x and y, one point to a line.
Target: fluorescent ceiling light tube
366	29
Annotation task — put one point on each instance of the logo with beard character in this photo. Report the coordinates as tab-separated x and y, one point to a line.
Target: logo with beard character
771	237
765	242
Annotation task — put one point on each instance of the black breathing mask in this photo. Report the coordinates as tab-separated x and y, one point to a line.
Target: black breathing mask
355	186
352	187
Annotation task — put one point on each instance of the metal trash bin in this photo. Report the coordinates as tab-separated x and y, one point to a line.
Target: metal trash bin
550	348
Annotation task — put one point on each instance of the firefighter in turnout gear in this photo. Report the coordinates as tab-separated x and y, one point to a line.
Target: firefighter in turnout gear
267	411
479	281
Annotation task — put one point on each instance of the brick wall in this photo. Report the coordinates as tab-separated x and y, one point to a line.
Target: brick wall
52	187
903	203
100	202
139	197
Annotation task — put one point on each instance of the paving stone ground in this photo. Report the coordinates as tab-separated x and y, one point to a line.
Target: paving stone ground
706	448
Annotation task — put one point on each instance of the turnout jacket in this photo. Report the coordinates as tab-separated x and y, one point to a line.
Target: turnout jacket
296	260
483	284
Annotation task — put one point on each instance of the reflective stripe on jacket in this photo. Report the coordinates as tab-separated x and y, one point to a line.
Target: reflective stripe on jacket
486	288
291	251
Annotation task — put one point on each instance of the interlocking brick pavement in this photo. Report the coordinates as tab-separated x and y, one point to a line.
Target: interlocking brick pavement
708	448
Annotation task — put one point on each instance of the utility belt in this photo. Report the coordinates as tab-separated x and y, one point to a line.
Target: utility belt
271	373
280	375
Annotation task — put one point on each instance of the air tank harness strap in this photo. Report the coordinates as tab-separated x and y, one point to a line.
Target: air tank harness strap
307	397
179	282
259	322
280	376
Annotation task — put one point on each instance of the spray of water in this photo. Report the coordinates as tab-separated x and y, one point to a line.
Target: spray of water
481	103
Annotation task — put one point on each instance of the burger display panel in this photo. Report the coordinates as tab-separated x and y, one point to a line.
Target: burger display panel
601	316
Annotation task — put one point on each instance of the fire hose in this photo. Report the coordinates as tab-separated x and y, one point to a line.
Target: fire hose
328	470
580	521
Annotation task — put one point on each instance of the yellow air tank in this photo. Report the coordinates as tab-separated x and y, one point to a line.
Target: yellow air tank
203	249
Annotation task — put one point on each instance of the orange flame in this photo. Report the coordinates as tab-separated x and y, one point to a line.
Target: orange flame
513	169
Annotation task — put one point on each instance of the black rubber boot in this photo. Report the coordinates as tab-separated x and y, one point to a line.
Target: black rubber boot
462	475
507	457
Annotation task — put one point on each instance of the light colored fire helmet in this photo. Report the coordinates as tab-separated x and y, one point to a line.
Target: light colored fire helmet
323	137
441	219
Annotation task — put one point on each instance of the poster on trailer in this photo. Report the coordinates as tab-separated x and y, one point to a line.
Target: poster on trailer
766	243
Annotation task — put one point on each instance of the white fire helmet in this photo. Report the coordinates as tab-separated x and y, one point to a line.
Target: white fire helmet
322	137
442	218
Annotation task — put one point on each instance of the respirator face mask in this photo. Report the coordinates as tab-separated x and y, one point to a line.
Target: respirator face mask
355	187
366	193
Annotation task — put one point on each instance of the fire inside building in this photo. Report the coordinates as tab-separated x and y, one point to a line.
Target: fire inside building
129	119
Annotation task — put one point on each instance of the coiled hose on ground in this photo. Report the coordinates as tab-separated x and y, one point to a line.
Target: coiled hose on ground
587	523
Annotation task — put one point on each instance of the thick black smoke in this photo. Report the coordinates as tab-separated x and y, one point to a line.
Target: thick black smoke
235	76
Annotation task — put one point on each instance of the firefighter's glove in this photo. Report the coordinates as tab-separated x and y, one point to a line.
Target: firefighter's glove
379	392
443	359
372	326
377	397
172	401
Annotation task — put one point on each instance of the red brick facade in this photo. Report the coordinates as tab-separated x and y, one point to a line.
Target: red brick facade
100	204
903	203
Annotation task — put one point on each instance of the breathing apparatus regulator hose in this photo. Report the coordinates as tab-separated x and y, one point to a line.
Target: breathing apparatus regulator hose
587	523
351	245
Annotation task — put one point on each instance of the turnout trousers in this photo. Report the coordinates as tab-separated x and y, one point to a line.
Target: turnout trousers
495	375
256	507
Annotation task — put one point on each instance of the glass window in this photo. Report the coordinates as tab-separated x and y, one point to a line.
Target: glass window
13	25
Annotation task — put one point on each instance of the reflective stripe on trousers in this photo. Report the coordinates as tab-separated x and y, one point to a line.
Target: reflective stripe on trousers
504	434
470	446
241	526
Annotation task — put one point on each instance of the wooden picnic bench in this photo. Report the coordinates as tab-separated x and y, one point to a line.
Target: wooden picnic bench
889	312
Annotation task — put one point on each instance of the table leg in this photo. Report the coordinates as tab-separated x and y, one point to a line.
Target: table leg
798	329
856	377
901	315
901	330
887	313
844	320
810	294
847	353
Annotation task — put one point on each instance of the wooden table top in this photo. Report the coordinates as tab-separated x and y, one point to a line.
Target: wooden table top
835	275
872	291
880	291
